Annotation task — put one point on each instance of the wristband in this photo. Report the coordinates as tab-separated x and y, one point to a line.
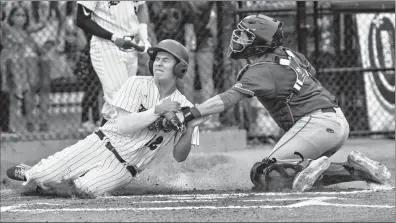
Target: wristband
190	114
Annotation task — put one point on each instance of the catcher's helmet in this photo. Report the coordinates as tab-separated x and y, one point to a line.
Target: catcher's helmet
255	34
177	50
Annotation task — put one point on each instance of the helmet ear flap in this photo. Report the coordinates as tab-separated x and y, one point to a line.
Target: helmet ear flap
180	69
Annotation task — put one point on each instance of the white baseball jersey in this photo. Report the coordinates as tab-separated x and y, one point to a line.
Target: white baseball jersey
115	16
92	167
112	65
139	148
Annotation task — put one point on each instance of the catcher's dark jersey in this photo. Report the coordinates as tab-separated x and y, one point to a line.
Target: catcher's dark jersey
272	83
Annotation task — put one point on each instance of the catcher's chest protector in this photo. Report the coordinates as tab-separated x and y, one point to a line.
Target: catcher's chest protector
290	61
301	73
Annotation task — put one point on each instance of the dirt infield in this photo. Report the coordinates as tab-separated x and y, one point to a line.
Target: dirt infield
214	187
333	206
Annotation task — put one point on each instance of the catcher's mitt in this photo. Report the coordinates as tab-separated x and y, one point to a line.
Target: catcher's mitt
168	122
157	125
174	121
271	175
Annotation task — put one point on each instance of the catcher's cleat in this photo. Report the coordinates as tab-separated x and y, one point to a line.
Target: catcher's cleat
372	170
307	177
18	172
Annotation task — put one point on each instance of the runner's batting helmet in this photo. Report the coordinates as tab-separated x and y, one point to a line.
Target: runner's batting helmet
255	34
177	50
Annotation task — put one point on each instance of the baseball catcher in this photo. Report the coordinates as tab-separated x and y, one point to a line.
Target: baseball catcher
284	82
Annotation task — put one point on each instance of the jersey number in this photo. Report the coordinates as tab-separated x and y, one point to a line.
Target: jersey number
154	145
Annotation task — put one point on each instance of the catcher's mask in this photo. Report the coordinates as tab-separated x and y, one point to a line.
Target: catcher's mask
255	34
177	50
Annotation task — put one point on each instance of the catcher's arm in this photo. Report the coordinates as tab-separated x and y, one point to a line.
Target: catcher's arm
214	105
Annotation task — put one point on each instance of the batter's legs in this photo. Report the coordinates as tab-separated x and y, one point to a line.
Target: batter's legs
113	68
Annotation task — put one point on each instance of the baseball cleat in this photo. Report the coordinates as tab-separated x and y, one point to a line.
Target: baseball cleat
18	172
374	171
306	178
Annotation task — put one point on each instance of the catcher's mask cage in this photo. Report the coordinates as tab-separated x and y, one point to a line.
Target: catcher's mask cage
255	34
177	50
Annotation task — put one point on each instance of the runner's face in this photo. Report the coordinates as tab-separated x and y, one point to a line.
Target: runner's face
163	65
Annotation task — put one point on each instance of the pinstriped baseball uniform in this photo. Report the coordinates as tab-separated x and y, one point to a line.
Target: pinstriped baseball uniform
103	172
112	65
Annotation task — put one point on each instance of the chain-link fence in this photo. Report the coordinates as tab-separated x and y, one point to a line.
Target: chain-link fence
355	57
49	89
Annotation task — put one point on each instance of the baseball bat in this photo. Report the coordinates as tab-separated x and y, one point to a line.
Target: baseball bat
128	44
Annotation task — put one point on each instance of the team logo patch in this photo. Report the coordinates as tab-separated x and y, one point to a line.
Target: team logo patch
330	130
155	143
111	3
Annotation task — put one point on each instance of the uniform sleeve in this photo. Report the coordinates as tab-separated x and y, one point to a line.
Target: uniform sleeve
257	80
91	5
129	96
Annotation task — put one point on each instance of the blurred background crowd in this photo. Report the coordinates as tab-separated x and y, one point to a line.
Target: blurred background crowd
49	86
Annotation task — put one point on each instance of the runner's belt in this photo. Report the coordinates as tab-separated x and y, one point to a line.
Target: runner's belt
110	147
